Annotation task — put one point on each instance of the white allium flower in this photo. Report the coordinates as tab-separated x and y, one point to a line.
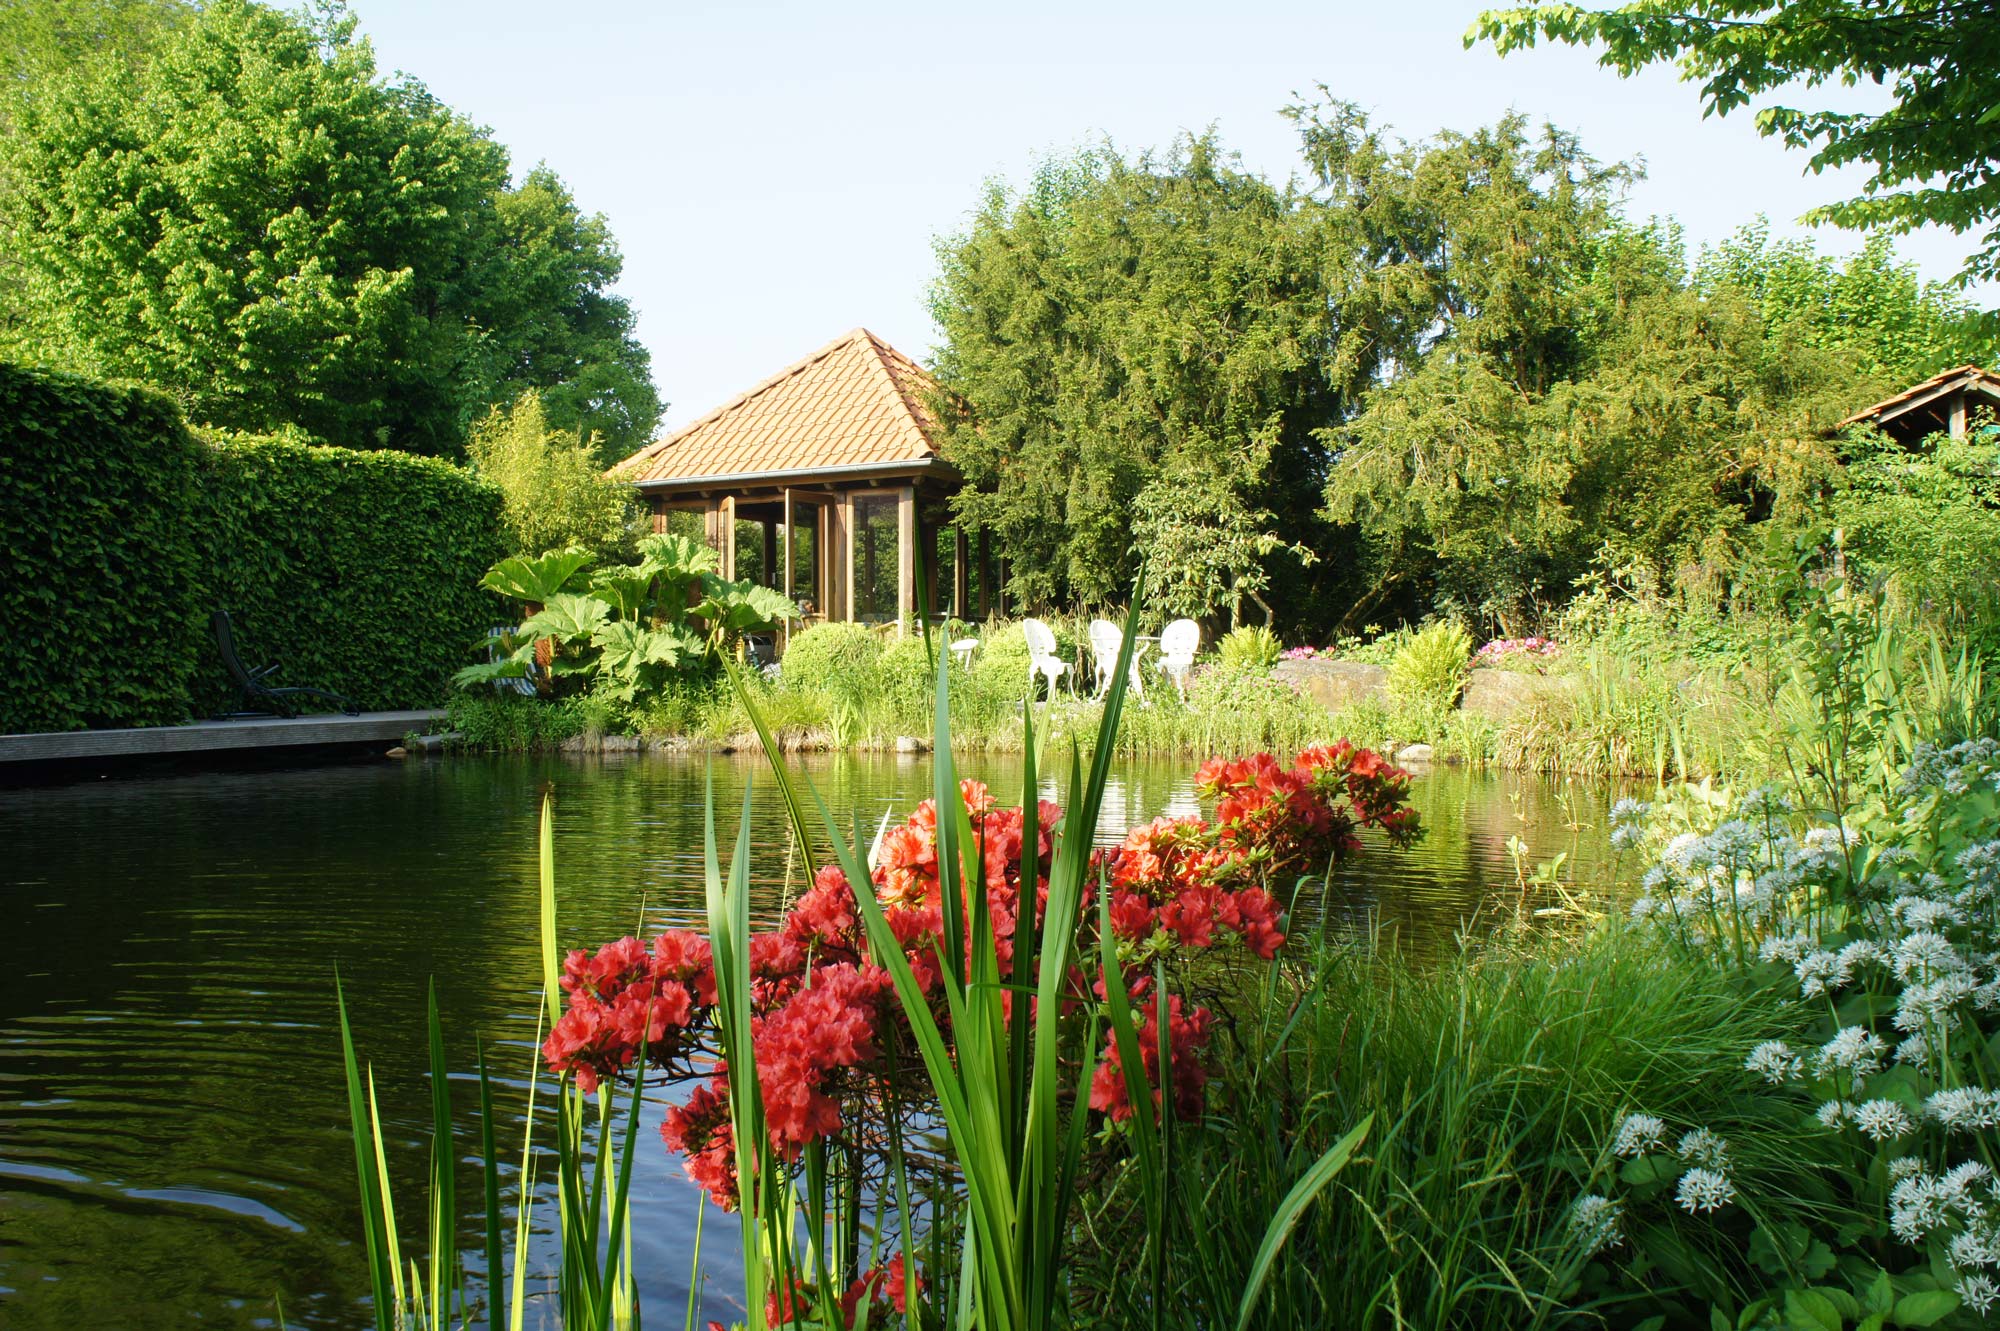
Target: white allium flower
1822	848
1921	1006
1918	1205
1819	972
1904	1166
1978	1291
1628	836
1639	1134
1926	955
1924	913
1787	948
1965	1109
1835	1113
1764	801
1775	1062
1703	1147
1593	1223
1916	1052
1862	952
1854	1049
1628	811
1735	842
1704	1190
1880	1120
1963	1178
1643	909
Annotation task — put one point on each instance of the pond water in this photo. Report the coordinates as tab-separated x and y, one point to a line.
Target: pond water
174	1149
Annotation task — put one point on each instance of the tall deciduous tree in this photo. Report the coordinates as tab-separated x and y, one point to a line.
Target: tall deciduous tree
245	215
1122	326
1932	151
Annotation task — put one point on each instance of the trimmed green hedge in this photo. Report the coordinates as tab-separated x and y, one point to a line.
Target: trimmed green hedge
96	484
354	572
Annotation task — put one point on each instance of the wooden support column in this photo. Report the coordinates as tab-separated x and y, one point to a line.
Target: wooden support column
843	542
770	554
726	519
907	530
659	517
961	576
987	603
1958	416
784	580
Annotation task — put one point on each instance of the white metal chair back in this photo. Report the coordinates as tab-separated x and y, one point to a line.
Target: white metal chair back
1042	659
1106	638
1179	642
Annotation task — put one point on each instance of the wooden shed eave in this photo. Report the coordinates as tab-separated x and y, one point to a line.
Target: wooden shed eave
914	467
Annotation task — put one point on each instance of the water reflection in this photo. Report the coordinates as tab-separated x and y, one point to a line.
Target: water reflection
173	1146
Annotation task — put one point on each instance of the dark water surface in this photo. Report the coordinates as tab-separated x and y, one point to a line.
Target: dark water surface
173	1136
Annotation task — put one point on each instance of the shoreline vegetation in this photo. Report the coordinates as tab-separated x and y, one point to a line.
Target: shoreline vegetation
1746	1080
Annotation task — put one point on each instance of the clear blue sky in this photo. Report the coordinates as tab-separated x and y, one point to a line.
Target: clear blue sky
776	173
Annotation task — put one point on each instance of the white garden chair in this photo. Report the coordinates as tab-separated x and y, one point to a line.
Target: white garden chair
962	650
1179	642
1105	640
1042	658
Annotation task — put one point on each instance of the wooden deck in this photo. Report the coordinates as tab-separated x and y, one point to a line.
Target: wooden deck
199	737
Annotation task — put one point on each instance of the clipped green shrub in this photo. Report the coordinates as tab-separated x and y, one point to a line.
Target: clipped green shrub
101	620
1428	671
1253	646
510	723
355	572
909	682
839	659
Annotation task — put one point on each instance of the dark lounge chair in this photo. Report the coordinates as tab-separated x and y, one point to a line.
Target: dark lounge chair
260	697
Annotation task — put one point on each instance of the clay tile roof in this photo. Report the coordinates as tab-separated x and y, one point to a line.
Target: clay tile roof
1975	379
857	402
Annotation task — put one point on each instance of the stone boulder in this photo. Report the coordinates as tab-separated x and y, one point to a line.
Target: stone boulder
1334	685
1499	694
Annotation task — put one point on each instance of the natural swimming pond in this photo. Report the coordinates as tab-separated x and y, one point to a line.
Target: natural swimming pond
174	1147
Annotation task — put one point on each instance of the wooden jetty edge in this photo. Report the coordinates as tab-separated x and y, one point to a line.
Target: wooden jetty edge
199	737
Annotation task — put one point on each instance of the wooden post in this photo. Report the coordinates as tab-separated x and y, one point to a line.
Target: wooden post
907	529
770	555
961	576
986	599
659	517
843	541
726	517
1958	416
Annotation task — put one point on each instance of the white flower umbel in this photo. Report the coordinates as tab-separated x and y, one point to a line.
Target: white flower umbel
1918	1205
1593	1224
1855	1049
1639	1134
1926	956
1703	1190
1629	811
1820	972
1775	1062
1978	1291
1787	948
1834	1114
1702	1147
1965	1109
1882	1120
1904	1166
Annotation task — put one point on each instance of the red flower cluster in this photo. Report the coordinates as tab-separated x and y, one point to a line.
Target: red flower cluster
624	997
883	1288
822	1009
1187	1034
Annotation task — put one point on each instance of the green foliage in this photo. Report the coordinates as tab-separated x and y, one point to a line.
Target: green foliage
1925	526
352	571
102	614
1253	646
1122	328
241	211
1930	149
842	660
490	722
355	572
536	581
1428	671
557	493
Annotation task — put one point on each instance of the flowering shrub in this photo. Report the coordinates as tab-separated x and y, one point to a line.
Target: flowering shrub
1303	654
1885	926
825	1017
1511	651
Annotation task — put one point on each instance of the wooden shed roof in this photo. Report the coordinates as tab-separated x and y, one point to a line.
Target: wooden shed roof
857	405
1965	379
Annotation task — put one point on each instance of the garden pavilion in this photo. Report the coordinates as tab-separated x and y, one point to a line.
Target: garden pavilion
824	482
1941	404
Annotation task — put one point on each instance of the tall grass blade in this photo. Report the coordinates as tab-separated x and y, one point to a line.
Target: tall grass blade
371	1202
1286	1217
